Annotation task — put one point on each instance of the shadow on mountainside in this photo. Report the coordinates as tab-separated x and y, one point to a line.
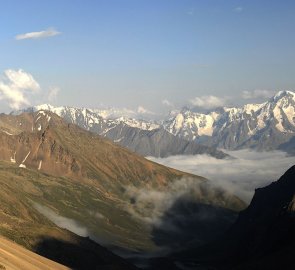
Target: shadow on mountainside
186	225
83	254
190	224
263	237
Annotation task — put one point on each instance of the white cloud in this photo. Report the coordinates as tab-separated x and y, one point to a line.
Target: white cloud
61	221
208	102
15	86
53	92
143	110
167	103
238	9
249	169
50	32
150	205
258	93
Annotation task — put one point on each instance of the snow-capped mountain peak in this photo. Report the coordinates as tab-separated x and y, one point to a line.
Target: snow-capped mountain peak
232	127
283	94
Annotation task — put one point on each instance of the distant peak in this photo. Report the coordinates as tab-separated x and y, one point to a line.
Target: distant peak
44	106
282	94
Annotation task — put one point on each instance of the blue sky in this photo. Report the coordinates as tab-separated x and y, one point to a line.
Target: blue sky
140	52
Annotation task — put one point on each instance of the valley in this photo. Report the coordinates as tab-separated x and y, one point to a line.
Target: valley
147	135
58	174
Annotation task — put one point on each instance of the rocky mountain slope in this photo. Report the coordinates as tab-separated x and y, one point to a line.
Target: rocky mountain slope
264	234
263	237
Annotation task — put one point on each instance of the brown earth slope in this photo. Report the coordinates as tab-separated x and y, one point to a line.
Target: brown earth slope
44	141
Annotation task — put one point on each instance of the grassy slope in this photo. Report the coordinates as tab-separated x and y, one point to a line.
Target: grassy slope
21	222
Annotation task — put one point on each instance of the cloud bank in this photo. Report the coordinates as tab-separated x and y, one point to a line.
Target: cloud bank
62	222
15	86
50	32
258	93
208	102
249	169
142	110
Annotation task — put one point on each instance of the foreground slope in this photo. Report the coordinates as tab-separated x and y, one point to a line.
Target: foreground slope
15	257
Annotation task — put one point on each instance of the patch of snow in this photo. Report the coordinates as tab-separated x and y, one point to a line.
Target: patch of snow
250	131
290	113
12	159
120	139
178	121
42	112
278	116
26	157
38	118
40	165
6	132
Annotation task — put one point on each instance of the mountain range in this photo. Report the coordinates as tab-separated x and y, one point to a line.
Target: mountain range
266	126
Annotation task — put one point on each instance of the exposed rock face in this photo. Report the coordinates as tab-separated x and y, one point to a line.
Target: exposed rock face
263	236
265	231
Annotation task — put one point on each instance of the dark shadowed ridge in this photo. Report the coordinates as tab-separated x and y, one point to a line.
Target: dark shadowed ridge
83	254
263	236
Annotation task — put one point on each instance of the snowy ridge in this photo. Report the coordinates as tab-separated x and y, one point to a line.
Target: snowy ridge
92	117
264	126
252	118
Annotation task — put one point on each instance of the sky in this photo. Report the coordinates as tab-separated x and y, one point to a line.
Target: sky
150	54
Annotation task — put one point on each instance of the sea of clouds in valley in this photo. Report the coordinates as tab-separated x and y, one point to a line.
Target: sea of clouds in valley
241	175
